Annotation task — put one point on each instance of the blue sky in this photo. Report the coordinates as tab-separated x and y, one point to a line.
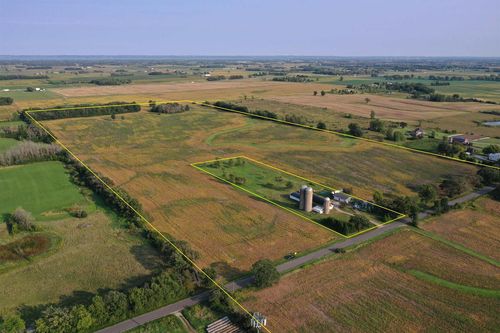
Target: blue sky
250	27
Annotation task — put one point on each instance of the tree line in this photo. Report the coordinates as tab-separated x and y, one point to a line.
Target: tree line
22	77
168	107
82	110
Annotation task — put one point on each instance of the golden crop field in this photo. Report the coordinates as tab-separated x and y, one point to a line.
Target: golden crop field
475	227
385	107
377	288
149	155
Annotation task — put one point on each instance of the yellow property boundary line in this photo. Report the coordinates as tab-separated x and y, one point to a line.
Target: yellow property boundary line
196	165
148	224
152	227
278	121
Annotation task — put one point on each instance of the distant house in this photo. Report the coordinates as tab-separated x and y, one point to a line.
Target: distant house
341	197
417	133
461	139
495	157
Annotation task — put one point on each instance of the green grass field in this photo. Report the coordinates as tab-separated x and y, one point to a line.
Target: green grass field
42	188
170	324
6	144
21	95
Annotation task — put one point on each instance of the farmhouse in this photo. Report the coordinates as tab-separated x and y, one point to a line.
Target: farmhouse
417	133
341	197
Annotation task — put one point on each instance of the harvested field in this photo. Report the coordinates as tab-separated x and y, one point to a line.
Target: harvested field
389	108
475	227
372	290
238	86
149	156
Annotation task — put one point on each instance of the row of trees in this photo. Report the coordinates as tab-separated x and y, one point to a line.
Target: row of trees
356	223
28	151
81	110
110	81
168	107
25	132
113	306
22	77
236	107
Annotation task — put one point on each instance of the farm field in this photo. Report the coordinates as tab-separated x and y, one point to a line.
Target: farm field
310	114
265	181
466	123
70	259
475	226
42	188
378	281
6	144
150	158
386	107
487	90
201	89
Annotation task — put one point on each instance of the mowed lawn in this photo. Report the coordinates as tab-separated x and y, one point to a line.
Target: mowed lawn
6	144
149	155
42	188
476	226
405	282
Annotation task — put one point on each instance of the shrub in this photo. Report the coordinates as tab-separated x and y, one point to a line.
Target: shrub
20	220
77	211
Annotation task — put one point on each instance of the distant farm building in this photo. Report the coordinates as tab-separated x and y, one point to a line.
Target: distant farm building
341	197
494	157
417	133
312	202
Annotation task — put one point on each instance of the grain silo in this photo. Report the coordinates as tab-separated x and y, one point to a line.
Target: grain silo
326	206
308	199
302	197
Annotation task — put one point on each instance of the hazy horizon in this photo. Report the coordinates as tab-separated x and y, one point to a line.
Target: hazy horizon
246	28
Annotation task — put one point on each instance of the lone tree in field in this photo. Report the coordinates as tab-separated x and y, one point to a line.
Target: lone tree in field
367	100
265	274
315	93
372	113
20	220
323	93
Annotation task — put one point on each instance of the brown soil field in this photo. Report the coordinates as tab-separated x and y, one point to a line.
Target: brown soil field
369	290
199	88
466	123
475	227
385	107
149	156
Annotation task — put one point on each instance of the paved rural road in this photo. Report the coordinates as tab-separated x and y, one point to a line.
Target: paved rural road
289	265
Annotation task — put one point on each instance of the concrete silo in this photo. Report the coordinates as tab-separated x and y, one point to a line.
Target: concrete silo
326	206
302	197
308	199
